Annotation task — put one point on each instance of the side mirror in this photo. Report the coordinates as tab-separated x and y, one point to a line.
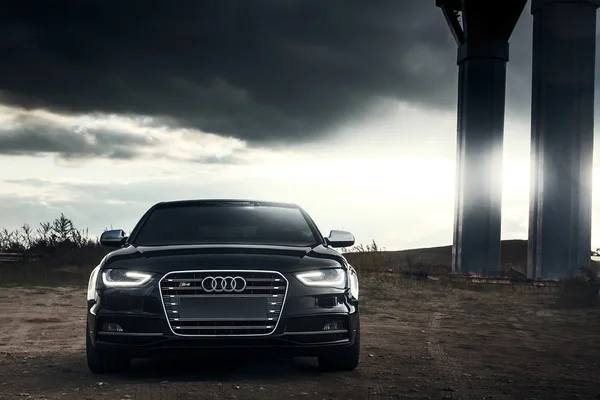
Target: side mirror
113	238
340	239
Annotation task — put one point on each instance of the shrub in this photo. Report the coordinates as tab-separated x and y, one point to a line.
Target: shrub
365	257
54	243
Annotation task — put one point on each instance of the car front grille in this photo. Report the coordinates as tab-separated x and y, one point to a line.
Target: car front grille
223	302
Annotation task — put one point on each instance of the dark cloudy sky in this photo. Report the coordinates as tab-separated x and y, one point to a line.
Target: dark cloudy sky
109	106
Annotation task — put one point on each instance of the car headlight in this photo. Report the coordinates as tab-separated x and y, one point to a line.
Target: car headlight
334	277
121	278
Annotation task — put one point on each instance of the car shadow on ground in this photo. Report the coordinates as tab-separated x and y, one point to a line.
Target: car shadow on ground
223	369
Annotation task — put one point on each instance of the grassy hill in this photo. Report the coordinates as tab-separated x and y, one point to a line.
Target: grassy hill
438	260
58	246
435	260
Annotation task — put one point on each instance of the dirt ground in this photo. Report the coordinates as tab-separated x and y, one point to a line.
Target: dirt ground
420	341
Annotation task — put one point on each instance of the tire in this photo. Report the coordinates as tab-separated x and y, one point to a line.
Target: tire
345	359
101	363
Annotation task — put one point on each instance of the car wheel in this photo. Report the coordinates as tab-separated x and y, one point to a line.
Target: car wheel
101	363
345	359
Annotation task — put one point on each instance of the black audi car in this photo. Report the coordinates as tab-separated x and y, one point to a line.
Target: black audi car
201	277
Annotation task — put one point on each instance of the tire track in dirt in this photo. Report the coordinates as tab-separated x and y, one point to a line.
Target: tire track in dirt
448	367
371	326
525	336
14	332
375	391
522	327
7	328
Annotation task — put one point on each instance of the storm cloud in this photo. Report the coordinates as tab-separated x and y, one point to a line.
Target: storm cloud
260	70
32	137
69	139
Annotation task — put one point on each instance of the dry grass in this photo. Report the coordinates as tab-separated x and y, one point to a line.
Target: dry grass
383	286
431	261
39	275
578	293
434	260
381	273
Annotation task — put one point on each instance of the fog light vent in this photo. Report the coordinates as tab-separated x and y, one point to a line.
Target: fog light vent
111	327
331	301
333	326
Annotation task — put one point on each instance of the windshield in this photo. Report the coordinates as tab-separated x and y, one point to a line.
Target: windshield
198	224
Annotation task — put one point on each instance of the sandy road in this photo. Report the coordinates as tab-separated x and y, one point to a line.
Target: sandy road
419	342
41	321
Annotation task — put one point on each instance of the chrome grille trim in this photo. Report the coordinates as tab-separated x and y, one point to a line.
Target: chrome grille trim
224	327
271	322
274	296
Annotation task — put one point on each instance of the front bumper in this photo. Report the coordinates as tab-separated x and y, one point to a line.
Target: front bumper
147	332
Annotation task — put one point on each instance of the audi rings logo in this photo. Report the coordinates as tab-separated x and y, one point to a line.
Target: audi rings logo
225	284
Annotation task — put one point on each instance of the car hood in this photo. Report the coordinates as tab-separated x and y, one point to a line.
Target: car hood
163	259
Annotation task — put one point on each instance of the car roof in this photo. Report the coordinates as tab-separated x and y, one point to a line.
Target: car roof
200	202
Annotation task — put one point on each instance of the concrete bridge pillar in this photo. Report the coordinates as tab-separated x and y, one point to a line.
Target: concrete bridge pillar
562	137
482	41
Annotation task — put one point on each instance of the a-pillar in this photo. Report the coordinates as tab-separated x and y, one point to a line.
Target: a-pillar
562	137
482	56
